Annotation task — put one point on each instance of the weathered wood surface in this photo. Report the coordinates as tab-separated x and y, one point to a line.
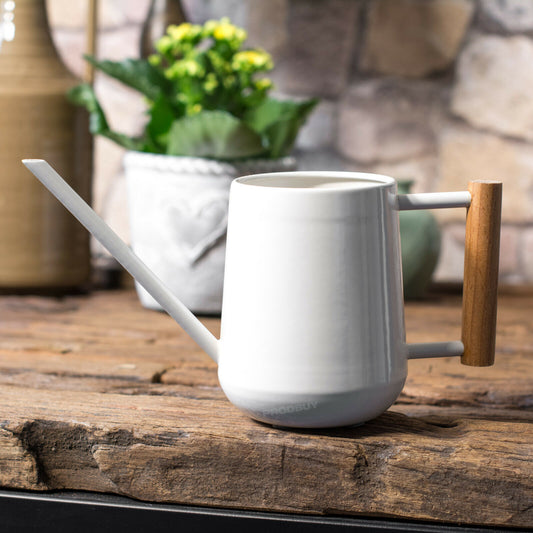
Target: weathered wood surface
98	394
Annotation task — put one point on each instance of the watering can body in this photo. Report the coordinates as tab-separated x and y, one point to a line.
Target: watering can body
312	320
312	331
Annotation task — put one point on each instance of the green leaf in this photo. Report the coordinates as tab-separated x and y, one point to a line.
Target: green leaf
161	118
214	134
279	122
135	73
83	95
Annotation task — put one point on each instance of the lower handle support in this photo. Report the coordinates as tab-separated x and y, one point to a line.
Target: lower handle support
424	350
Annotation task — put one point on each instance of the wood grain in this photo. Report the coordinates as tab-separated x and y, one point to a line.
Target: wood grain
99	394
482	252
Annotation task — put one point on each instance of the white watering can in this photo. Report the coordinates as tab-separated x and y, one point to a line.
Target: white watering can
312	331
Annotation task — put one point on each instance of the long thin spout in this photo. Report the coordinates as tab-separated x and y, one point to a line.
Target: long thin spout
123	254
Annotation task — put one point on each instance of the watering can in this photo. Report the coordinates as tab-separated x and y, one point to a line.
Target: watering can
312	328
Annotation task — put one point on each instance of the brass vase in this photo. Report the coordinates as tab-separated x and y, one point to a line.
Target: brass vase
41	245
160	15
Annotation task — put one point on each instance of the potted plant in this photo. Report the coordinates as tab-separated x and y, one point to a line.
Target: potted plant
209	119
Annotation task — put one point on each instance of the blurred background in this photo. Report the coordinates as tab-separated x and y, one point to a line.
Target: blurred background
437	91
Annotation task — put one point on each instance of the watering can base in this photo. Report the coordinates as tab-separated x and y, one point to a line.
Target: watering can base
350	408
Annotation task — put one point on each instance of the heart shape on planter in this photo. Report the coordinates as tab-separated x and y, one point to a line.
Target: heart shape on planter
197	223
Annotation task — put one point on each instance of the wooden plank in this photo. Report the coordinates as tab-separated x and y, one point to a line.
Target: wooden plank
201	450
103	337
73	418
445	382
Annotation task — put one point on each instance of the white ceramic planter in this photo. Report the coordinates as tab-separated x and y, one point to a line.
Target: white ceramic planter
178	217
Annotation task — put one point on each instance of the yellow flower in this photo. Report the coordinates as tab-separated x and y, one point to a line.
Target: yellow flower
192	68
164	44
256	59
263	84
225	31
154	60
184	31
209	27
185	67
241	35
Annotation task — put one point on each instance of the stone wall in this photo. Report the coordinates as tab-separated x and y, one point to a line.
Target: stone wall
432	90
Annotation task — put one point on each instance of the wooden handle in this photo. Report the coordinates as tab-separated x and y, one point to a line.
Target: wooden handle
482	253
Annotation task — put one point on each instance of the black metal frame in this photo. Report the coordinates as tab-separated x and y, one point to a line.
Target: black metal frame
81	512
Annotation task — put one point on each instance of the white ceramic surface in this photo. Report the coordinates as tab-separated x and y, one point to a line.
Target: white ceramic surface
312	324
317	258
178	218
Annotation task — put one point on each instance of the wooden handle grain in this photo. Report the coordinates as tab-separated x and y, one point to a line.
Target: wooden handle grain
482	253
